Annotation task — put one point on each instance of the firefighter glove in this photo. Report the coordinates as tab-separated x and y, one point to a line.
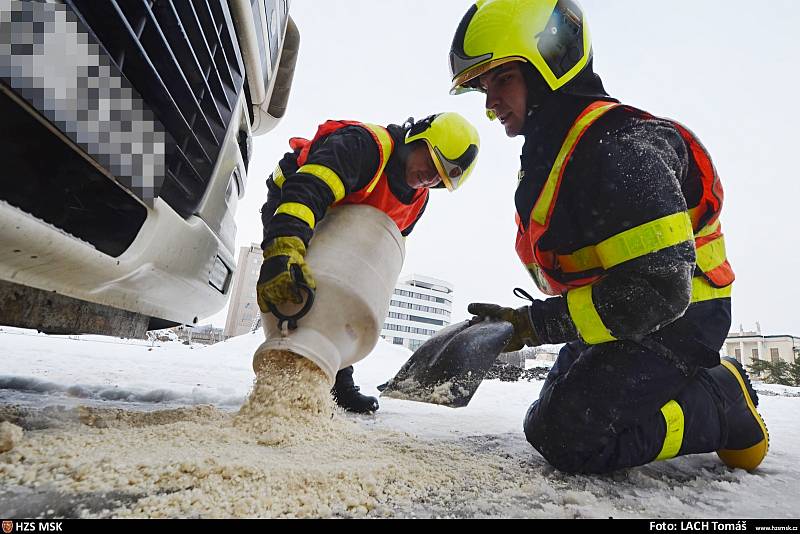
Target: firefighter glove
283	272
524	333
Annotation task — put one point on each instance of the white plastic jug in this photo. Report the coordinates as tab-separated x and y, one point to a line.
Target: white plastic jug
355	256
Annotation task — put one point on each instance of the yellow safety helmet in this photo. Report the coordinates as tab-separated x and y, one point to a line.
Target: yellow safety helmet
551	35
453	143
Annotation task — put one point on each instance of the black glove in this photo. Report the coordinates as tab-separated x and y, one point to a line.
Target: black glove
284	268
524	333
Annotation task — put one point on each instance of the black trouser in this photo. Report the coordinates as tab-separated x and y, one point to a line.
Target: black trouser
600	407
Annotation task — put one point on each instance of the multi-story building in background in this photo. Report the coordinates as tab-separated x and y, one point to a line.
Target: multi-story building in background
243	308
420	307
749	346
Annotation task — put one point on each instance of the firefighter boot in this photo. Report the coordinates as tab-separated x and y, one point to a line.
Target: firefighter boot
747	438
346	394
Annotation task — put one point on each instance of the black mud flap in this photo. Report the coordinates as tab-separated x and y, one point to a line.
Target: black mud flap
448	368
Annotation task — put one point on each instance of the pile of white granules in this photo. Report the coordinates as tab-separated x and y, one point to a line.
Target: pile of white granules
287	453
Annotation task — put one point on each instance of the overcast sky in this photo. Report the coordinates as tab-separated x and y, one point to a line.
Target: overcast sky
724	68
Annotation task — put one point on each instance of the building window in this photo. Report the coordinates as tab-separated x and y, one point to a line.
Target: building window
738	355
398	341
426	320
754	354
774	355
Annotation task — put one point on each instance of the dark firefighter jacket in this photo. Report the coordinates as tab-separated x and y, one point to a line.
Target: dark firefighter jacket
626	171
353	154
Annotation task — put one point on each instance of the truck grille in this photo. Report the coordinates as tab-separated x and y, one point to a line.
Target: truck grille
183	58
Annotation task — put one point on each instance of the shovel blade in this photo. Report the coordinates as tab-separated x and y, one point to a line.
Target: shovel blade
448	368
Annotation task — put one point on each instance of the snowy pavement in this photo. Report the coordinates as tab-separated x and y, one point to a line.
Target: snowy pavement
483	439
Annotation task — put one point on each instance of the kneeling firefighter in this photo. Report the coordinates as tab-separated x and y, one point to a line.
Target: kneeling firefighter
618	220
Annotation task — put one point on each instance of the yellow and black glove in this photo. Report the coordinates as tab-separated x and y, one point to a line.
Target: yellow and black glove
283	271
524	333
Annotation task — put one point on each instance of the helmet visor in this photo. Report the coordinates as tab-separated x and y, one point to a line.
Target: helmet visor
468	80
453	172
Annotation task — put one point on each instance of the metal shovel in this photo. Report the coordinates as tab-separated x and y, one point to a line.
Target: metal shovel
448	368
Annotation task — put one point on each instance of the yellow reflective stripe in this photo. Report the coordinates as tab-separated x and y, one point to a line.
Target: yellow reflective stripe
702	290
695	214
645	239
542	207
588	322
673	438
301	211
278	177
581	260
708	230
385	140
711	255
327	175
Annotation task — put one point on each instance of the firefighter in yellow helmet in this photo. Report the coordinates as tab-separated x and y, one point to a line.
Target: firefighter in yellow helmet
618	222
391	168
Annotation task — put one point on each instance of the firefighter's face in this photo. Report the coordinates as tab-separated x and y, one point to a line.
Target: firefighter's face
420	170
506	96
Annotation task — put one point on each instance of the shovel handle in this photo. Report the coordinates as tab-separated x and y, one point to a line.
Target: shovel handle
291	320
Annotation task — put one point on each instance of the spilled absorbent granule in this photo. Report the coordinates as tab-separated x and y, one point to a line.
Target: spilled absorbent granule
287	453
410	389
10	435
445	393
290	403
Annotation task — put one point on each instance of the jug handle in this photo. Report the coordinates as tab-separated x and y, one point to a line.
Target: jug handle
290	321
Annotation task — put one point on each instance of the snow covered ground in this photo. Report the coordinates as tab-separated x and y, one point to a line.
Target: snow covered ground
485	437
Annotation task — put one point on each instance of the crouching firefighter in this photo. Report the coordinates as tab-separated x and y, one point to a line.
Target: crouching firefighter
618	219
390	168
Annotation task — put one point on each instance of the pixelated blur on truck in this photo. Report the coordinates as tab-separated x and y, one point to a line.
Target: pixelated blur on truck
126	130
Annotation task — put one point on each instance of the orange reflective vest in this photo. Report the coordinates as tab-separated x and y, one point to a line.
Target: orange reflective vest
587	265
377	193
